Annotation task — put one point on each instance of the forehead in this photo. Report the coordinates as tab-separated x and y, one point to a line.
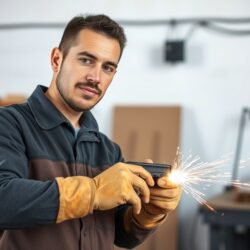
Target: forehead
98	44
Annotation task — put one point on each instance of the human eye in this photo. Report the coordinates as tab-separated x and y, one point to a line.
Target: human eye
109	68
85	60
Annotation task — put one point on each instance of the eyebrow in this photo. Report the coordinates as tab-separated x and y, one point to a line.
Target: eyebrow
85	53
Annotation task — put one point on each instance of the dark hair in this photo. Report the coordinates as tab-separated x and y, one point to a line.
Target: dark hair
98	23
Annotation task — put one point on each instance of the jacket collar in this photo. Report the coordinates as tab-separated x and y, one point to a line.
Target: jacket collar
48	116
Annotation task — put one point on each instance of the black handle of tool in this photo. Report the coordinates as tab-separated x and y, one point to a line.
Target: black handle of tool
157	170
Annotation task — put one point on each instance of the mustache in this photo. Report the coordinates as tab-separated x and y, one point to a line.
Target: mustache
90	84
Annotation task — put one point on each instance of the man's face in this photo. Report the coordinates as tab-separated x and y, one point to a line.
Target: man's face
87	70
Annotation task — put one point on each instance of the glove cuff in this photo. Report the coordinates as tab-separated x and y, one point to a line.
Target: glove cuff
76	197
143	220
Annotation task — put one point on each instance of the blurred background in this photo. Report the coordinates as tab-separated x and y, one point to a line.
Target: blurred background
206	73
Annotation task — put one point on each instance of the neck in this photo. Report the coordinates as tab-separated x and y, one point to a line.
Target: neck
60	104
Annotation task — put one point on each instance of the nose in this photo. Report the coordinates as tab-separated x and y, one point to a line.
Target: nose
94	75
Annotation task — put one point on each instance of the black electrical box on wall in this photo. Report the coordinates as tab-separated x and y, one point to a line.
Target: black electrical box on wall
174	51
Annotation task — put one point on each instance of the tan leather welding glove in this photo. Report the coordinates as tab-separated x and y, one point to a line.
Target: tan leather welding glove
164	197
76	197
117	185
81	195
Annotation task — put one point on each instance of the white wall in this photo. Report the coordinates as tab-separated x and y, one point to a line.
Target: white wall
212	86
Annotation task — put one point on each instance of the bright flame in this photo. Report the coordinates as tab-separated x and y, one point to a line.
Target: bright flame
178	177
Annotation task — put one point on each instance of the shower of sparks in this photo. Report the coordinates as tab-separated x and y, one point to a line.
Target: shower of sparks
190	172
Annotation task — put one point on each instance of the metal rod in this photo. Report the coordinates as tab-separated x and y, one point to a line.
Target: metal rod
244	113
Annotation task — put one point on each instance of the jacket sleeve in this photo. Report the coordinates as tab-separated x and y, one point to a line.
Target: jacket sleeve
23	202
135	236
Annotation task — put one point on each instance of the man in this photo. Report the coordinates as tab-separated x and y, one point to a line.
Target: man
63	184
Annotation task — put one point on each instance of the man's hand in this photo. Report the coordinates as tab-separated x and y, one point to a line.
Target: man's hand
164	197
80	195
117	185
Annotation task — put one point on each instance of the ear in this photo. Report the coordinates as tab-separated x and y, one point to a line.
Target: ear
56	59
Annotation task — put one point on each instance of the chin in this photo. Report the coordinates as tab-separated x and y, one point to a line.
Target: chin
86	107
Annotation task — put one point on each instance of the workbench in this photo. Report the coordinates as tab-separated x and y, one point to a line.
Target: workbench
229	225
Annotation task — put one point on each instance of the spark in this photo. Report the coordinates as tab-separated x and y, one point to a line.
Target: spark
190	172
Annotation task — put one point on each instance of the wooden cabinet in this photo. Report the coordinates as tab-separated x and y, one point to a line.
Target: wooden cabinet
150	132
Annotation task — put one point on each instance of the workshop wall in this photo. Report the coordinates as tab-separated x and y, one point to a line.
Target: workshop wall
211	85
